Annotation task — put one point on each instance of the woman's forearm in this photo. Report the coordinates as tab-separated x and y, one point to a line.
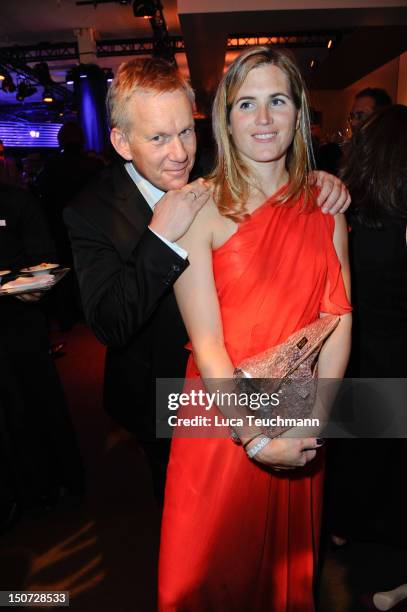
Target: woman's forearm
216	369
212	360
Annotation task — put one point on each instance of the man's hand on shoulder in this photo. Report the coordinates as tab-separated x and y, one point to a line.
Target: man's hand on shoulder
175	212
333	196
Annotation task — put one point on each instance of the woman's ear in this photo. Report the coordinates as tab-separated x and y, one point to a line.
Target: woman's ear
120	142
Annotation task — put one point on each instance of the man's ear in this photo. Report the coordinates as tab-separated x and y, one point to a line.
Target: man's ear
121	144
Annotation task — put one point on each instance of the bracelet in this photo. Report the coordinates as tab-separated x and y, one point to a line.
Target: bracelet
251	439
256	448
235	437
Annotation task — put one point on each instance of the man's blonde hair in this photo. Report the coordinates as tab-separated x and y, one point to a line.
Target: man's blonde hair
231	176
153	75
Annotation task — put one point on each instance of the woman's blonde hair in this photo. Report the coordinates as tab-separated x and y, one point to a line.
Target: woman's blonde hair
231	176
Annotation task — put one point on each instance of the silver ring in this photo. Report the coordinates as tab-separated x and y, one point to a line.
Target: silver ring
193	193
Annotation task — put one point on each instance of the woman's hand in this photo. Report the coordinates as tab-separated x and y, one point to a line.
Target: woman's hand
287	453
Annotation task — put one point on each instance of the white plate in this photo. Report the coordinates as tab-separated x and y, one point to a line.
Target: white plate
28	284
43	268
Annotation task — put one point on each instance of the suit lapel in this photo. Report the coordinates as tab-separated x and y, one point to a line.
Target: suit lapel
134	214
129	200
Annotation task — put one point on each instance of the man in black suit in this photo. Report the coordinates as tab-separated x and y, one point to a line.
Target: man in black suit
124	229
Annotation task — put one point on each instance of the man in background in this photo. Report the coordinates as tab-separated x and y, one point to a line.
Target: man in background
366	102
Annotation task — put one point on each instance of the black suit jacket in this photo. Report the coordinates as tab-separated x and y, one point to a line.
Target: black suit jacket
126	274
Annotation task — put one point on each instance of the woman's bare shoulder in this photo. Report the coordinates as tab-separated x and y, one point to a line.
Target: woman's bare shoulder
202	227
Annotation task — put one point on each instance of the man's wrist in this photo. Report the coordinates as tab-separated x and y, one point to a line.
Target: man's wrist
172	245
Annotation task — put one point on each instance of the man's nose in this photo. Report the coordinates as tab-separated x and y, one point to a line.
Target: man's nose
178	152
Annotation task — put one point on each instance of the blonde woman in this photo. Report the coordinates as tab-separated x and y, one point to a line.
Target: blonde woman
241	533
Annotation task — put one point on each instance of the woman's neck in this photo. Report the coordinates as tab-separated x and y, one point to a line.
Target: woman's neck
272	176
269	180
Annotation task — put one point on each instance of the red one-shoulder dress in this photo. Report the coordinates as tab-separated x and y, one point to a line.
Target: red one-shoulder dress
236	537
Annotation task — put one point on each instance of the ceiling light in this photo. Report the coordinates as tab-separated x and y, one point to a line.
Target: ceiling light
47	97
4	74
144	9
7	84
330	43
69	78
109	74
83	71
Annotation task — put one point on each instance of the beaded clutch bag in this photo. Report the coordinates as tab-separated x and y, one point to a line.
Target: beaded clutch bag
289	369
